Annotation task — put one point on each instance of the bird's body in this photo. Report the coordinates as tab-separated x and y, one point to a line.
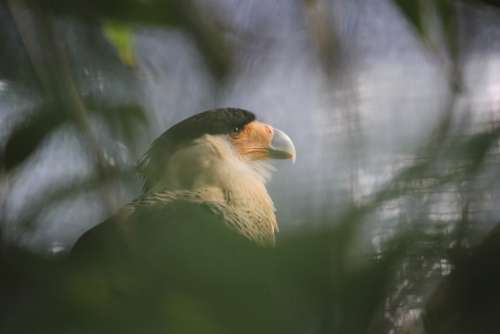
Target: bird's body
214	164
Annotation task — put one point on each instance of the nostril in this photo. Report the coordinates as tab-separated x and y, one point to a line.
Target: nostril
268	129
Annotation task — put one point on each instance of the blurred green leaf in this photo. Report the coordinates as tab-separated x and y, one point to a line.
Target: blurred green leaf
412	11
446	15
56	194
15	65
495	3
126	122
417	13
30	133
170	12
120	35
180	14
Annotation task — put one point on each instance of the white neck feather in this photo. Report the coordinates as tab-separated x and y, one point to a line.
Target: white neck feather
212	167
211	161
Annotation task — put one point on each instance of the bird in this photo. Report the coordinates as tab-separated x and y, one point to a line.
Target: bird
211	167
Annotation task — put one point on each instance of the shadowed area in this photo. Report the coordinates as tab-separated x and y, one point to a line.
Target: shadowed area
123	209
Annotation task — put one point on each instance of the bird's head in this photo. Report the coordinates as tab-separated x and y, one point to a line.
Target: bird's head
214	147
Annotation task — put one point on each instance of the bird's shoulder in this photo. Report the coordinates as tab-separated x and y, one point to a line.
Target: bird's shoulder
168	214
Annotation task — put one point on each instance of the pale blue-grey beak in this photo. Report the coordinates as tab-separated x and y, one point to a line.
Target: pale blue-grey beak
281	146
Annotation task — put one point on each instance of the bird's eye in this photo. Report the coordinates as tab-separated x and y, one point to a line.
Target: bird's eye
236	129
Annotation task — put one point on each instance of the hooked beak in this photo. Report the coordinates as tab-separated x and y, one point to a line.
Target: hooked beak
260	141
281	146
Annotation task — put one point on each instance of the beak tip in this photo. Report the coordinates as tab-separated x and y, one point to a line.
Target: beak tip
282	146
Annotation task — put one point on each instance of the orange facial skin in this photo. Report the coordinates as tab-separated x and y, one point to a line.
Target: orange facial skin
253	140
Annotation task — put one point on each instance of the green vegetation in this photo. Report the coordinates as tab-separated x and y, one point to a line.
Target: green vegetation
207	280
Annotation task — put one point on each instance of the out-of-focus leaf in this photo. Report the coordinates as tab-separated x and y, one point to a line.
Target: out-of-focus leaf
466	301
446	15
474	149
412	10
120	35
15	64
125	121
29	134
416	12
180	14
169	12
495	3
56	194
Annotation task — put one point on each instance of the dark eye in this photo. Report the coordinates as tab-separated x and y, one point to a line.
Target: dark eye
236	129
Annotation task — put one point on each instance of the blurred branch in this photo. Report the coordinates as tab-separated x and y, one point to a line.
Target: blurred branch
421	14
181	14
56	194
340	91
36	30
323	34
25	23
494	3
27	136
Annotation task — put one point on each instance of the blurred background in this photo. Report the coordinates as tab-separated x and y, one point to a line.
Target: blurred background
393	106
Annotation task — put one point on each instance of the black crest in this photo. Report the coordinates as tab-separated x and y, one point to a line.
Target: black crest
213	122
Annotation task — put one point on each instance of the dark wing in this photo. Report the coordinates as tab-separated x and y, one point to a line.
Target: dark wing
149	228
133	280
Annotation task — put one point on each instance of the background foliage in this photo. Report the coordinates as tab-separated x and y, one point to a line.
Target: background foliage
424	273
